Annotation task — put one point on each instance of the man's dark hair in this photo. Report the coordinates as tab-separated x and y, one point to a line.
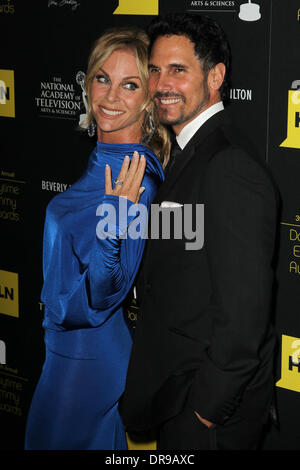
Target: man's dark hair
211	44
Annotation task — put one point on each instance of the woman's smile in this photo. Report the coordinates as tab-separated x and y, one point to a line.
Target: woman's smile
117	98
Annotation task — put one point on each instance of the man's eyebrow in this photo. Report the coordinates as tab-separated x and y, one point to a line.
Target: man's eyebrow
169	65
177	65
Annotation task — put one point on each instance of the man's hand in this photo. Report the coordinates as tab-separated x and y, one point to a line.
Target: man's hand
203	420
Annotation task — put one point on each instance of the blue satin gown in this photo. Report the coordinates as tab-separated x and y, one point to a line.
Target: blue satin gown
86	279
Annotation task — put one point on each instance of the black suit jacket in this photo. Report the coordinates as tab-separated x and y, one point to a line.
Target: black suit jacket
204	335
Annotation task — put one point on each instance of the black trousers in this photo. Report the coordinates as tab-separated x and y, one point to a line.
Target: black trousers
186	432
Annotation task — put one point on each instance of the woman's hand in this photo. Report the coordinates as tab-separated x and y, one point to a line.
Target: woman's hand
128	183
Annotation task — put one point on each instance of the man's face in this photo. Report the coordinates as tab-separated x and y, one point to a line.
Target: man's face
176	81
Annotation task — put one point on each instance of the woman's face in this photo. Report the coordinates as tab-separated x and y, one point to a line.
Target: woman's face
116	99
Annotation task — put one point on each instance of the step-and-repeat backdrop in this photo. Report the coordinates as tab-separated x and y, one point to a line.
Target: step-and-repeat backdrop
44	50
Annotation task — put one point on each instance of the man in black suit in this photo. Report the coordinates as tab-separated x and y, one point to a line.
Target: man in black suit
202	359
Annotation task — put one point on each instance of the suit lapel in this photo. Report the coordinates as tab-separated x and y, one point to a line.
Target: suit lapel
188	153
204	143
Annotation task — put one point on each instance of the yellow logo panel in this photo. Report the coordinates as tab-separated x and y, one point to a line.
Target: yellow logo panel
290	364
7	93
134	445
137	7
9	293
293	126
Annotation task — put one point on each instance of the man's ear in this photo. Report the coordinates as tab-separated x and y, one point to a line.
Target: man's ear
216	76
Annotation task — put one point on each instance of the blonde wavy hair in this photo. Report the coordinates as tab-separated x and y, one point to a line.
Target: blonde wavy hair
136	40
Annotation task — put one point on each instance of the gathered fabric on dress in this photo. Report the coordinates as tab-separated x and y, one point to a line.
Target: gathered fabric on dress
87	277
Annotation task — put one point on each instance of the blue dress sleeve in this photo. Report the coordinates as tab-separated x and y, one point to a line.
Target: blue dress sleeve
91	255
104	280
117	251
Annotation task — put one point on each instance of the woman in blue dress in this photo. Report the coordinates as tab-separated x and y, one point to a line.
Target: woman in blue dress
91	258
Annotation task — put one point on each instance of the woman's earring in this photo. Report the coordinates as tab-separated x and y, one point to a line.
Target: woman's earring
91	129
147	137
151	124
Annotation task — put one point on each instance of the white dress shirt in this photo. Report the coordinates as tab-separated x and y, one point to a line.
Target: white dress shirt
191	128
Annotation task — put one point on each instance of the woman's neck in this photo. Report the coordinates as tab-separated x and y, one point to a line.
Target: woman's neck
122	136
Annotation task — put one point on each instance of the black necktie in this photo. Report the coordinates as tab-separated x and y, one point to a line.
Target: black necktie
175	151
